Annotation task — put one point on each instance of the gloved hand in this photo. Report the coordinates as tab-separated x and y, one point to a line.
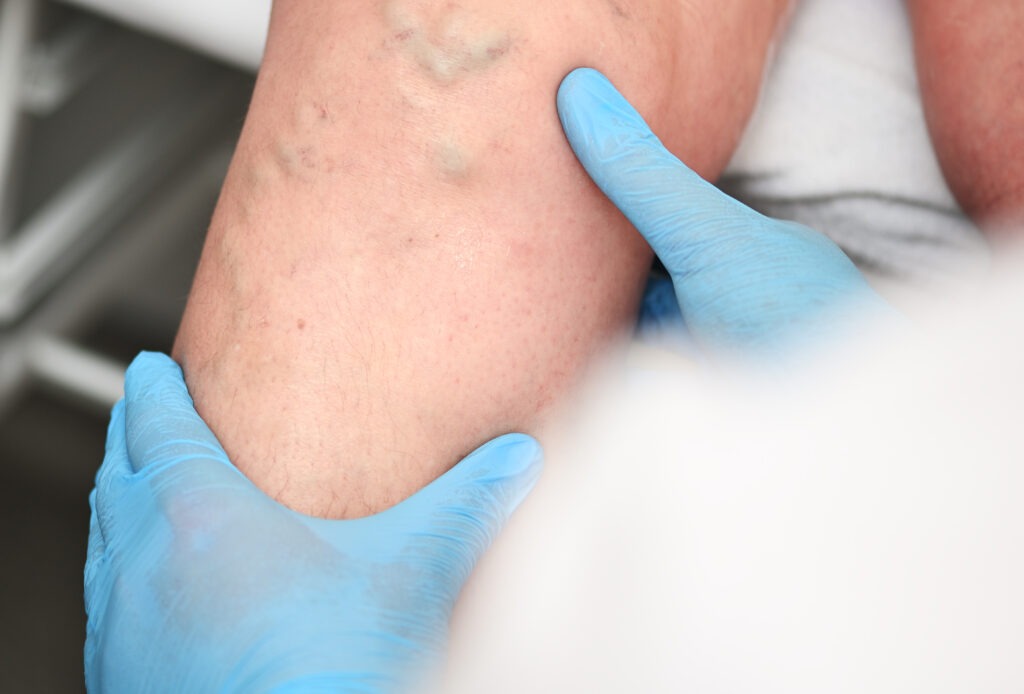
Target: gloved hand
743	281
196	581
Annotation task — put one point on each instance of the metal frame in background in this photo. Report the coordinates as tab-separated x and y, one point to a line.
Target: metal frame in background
43	350
41	308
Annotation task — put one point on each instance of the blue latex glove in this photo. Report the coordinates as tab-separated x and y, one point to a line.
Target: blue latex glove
196	581
743	281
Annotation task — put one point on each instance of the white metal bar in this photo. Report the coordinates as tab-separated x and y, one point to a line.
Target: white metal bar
83	374
18	19
57	67
76	303
59	232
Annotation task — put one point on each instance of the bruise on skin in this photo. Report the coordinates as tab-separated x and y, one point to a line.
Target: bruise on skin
448	42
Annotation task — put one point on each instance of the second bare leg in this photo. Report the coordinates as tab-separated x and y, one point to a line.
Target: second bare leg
970	60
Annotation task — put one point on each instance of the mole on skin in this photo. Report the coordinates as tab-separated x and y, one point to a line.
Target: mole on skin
447	42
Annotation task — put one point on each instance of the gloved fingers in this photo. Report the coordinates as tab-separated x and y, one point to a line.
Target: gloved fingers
111	478
162	425
458	515
114	472
492	480
94	556
97	544
183	470
660	323
669	204
744	282
659	308
96	589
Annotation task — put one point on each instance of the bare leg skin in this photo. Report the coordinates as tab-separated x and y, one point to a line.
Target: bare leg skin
406	259
970	60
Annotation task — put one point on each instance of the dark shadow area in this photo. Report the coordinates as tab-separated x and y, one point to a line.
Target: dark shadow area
50	452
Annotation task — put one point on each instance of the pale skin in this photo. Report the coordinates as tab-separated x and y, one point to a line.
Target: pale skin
406	259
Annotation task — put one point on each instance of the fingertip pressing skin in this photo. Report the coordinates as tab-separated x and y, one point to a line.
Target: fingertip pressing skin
605	130
659	194
516	457
497	476
742	280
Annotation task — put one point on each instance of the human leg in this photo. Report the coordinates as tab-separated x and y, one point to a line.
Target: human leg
970	61
406	259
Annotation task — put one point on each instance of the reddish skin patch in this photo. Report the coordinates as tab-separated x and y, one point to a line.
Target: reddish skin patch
300	324
618	11
404	35
306	157
497	51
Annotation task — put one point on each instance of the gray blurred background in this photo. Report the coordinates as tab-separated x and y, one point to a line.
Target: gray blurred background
112	146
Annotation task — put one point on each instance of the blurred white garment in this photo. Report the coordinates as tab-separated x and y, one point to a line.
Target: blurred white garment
839	143
857	526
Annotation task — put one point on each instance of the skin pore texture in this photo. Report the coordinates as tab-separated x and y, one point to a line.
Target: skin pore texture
406	259
970	60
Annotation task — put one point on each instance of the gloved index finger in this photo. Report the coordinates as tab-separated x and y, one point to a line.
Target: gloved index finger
669	204
162	425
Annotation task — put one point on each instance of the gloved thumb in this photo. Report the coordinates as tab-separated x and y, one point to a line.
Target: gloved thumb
459	514
745	283
668	203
